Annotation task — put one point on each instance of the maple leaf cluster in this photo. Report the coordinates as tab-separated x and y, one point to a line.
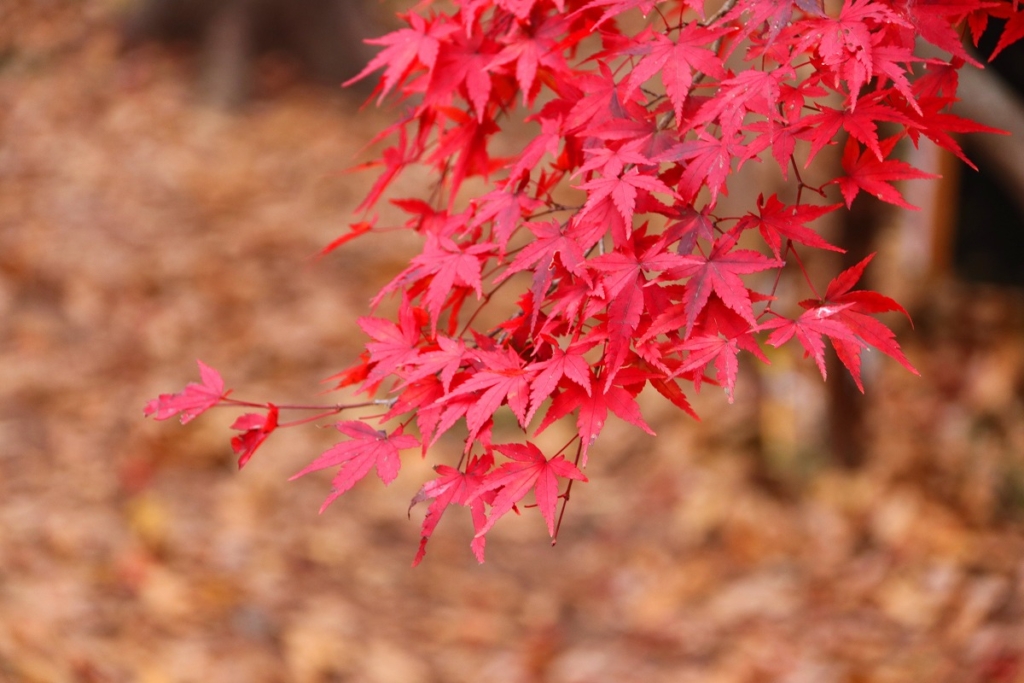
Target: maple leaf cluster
606	219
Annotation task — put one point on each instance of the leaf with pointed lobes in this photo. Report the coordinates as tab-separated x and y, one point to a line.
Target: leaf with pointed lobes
193	400
569	364
367	447
810	329
541	46
501	378
454	487
676	61
622	189
719	273
776	221
451	265
715	349
444	362
506	209
1013	29
845	43
866	172
853	309
593	407
529	470
405	49
393	346
671	390
255	429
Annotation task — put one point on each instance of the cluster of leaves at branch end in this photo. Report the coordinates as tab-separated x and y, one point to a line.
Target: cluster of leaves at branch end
608	221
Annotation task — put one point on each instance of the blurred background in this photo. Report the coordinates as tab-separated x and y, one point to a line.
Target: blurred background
169	169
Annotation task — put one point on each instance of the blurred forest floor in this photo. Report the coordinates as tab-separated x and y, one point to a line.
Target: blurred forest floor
140	230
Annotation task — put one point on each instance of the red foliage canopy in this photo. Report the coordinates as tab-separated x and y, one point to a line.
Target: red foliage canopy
630	277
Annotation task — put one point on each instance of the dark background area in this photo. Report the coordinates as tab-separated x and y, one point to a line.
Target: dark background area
989	246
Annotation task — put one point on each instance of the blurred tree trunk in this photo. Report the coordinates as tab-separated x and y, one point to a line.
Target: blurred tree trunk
325	37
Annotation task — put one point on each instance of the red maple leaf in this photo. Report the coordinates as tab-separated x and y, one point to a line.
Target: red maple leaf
617	7
716	349
593	407
751	91
854	311
193	400
622	190
613	160
501	378
393	346
936	22
719	273
506	209
405	49
255	428
547	374
529	470
844	317
598	100
710	161
451	264
846	44
864	171
551	238
626	290
355	230
445	361
776	221
534	47
368	447
809	329
936	124
774	14
454	487
464	64
1013	30
860	123
676	61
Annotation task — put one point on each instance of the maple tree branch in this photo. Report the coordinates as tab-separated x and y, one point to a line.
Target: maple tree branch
791	249
722	11
333	408
568	490
775	285
308	419
486	300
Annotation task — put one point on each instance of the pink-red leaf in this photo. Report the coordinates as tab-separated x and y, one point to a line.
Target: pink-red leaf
367	447
193	400
454	487
529	470
866	172
255	428
719	273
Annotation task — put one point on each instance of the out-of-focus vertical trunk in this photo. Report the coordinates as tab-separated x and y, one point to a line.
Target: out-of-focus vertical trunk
324	37
229	50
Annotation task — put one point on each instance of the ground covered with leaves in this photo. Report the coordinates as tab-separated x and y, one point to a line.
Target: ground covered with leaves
140	230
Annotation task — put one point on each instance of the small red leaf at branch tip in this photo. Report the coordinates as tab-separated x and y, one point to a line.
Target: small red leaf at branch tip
356	229
193	400
255	429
